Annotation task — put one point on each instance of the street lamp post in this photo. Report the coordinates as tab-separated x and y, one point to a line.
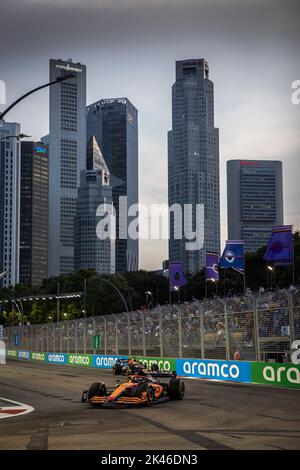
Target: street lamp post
57	80
20	136
147	297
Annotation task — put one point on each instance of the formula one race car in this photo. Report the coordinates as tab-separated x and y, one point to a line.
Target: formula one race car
140	389
128	366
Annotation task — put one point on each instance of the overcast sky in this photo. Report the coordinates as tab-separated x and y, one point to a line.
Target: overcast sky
130	48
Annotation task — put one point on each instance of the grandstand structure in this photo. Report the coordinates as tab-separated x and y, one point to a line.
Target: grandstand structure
261	326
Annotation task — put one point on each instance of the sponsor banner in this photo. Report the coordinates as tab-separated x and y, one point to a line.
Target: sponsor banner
280	375
12	353
217	370
56	358
105	362
38	356
24	355
165	363
80	360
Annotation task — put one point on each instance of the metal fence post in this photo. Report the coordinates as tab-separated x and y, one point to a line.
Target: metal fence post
61	336
226	333
116	334
42	338
76	336
94	333
105	336
143	334
161	346
54	340
202	333
84	335
291	319
68	336
36	337
256	333
47	338
128	333
180	333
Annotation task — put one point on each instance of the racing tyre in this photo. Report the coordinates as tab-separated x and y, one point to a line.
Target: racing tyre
117	369
97	389
150	396
176	389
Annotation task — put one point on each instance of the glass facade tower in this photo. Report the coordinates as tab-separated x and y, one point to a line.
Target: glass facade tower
114	123
34	213
67	158
254	200
193	163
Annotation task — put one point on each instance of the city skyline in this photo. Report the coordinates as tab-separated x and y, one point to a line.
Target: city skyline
252	83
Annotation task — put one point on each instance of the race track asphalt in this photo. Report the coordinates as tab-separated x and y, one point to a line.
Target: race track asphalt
212	415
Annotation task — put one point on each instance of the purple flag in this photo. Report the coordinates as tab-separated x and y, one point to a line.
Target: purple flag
280	247
177	276
211	269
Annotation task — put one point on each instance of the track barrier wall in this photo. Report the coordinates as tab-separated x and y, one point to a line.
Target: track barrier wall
267	373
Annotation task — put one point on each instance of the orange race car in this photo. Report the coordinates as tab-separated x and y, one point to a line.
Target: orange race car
141	389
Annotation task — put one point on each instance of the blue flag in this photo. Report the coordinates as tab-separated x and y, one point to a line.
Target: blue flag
211	268
280	247
233	256
177	276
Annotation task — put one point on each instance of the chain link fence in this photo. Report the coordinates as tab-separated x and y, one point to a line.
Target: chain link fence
261	327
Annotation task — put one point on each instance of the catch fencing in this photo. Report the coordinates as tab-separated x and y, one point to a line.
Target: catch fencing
260	327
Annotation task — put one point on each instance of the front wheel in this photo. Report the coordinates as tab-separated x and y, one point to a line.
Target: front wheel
176	389
97	389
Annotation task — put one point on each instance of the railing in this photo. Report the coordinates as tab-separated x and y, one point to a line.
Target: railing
261	327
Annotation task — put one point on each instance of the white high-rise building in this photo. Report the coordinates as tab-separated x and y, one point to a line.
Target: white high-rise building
10	165
193	162
67	158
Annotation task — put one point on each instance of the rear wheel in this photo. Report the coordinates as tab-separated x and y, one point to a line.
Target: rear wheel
150	396
176	389
117	369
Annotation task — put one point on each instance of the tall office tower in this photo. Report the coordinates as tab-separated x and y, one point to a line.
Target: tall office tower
114	123
10	160
67	157
193	164
34	213
254	200
95	190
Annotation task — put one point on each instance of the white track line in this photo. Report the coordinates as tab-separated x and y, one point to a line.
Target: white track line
11	411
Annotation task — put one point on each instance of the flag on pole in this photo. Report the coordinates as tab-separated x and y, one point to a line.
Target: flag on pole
177	276
280	246
211	266
233	256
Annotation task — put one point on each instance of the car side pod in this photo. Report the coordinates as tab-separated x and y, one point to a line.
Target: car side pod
84	396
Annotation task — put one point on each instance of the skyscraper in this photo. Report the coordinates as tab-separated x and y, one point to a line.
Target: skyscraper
10	152
114	123
94	190
34	213
67	157
254	200
193	162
